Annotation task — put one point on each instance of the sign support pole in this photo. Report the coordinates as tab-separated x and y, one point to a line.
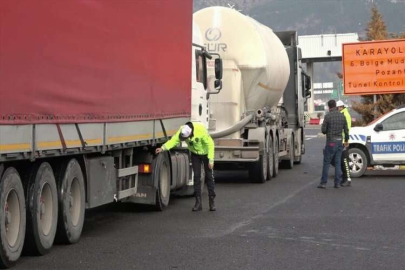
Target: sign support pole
375	107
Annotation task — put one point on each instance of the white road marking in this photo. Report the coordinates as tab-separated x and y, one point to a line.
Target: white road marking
310	137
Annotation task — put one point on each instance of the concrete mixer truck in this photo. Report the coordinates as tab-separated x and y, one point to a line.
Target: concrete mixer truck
258	119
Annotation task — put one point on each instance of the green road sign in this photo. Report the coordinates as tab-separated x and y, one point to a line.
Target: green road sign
334	94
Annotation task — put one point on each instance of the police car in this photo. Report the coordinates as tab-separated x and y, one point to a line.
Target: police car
382	142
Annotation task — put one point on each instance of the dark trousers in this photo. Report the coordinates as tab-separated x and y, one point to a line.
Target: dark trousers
332	150
345	165
197	162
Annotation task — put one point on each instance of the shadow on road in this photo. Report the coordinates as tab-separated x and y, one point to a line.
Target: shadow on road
232	177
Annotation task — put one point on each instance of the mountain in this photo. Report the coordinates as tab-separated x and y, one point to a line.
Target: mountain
312	17
238	4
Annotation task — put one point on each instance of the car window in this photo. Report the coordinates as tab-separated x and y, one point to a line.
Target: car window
395	122
199	66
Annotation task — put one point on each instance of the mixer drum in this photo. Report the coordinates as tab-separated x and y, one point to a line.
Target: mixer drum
257	52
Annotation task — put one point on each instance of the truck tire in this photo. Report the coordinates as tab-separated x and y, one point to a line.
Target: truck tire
71	191
258	170
12	217
357	162
270	159
189	190
298	159
289	164
276	158
161	176
42	209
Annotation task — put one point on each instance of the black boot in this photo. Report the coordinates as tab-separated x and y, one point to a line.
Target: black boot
212	204
344	181
198	204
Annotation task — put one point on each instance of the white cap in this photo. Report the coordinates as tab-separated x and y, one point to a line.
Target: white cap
186	131
340	104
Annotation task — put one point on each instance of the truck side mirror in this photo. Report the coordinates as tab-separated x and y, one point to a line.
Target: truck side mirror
218	85
379	127
308	83
308	94
218	69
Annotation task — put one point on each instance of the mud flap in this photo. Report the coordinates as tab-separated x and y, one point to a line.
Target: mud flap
258	134
145	195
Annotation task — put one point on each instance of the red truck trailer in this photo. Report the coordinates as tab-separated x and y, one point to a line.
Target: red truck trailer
88	89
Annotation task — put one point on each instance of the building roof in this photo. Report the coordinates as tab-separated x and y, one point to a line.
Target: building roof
324	48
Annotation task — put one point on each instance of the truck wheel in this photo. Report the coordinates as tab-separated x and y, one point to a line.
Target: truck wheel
12	217
270	159
189	190
289	164
258	170
71	191
298	159
42	209
357	162
276	158
161	176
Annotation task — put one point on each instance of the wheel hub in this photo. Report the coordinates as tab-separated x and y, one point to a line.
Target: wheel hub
7	218
12	218
357	163
42	208
70	202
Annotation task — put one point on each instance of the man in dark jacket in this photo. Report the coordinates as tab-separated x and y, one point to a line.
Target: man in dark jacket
333	125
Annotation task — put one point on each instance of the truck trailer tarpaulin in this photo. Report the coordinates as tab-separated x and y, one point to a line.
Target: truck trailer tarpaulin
82	61
375	67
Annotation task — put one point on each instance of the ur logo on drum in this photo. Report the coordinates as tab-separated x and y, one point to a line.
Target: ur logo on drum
213	34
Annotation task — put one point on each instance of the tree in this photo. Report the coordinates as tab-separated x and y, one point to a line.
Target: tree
385	103
398	36
377	30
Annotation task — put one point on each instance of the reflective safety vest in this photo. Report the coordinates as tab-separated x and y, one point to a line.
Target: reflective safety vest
346	113
200	143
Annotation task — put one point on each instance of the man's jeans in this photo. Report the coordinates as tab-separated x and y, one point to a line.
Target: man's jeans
332	149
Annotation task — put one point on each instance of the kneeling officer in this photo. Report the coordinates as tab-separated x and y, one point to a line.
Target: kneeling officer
201	146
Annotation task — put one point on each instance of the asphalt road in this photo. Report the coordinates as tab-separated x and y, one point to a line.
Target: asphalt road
286	223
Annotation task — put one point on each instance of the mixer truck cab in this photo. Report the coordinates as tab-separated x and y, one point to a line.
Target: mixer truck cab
201	86
379	145
257	121
199	102
201	90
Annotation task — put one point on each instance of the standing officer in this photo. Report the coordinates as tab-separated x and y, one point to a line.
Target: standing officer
346	180
201	146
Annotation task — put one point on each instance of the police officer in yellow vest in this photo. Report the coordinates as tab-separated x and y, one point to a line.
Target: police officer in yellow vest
346	180
201	146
